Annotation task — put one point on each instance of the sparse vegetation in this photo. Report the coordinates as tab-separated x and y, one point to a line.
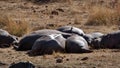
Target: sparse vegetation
101	15
17	28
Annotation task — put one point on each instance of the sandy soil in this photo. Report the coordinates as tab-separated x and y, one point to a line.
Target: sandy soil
103	58
54	15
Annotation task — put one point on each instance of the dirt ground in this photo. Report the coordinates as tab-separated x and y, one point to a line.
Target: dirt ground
54	15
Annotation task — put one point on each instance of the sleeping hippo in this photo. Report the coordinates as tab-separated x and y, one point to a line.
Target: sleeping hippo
71	29
4	32
6	39
50	31
90	37
77	44
110	40
48	44
22	65
27	41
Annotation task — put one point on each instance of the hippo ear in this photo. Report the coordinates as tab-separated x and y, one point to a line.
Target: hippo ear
71	29
96	43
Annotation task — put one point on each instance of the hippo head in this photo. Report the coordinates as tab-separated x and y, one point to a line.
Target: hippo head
14	39
7	41
96	43
88	38
4	32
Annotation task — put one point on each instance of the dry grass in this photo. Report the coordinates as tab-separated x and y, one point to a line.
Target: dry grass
103	16
17	28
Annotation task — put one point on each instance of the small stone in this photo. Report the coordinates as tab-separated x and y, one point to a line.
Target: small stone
51	16
67	59
51	25
85	58
77	59
54	13
103	56
59	9
59	60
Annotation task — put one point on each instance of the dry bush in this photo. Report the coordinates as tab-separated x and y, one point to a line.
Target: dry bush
13	27
103	16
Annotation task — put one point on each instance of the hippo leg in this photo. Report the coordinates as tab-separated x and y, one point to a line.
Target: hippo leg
4	45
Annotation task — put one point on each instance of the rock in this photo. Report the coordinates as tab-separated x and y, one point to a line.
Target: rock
59	60
85	58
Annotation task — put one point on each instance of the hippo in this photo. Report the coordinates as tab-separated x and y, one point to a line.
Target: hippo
71	29
4	32
96	43
51	31
90	37
48	44
22	65
6	39
110	40
77	44
27	41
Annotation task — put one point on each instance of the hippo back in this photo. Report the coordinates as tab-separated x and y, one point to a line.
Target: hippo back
71	29
76	44
47	45
111	40
50	31
4	32
27	42
22	65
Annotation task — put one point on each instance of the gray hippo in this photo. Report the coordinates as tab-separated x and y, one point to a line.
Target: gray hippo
4	32
6	39
48	44
71	29
51	31
90	37
22	65
110	40
27	41
77	44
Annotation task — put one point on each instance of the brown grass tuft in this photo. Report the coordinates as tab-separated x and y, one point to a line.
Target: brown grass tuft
103	16
17	28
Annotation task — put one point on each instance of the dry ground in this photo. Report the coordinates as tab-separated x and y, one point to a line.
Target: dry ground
98	59
54	15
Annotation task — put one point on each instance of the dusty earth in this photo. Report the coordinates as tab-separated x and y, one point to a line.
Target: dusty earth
54	15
